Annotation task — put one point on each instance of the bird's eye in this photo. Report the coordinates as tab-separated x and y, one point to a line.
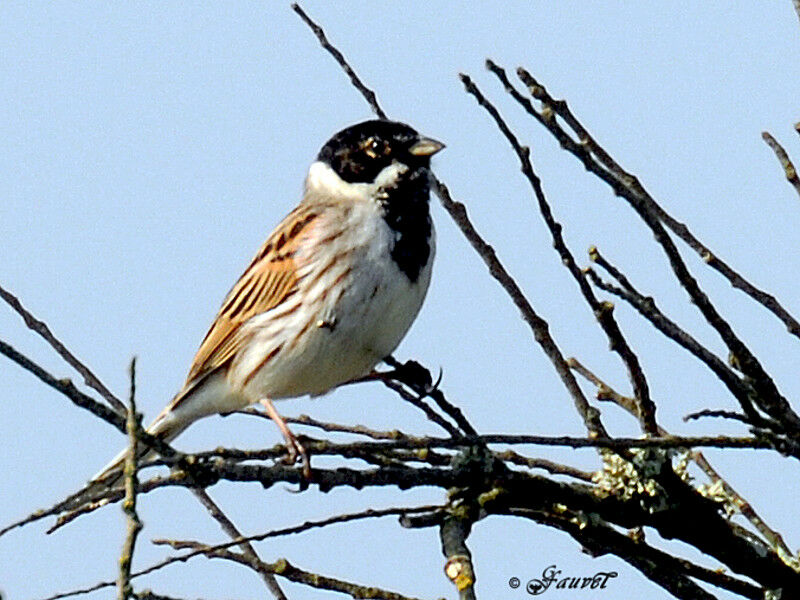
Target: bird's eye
373	148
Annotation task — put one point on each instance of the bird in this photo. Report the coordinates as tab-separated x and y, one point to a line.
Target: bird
331	292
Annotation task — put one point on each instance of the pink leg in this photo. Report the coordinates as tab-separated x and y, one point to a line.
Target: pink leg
293	446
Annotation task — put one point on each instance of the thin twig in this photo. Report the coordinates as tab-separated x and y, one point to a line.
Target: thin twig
627	186
586	149
622	279
772	537
287	570
537	324
604	391
330	427
418	378
68	389
544	464
43	330
783	158
308	525
717	414
368	94
418	402
151	595
394	434
646	306
603	311
248	551
133	424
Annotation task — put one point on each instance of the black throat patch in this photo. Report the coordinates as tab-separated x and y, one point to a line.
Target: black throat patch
405	210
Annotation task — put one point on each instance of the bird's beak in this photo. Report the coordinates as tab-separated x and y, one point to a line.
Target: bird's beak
425	147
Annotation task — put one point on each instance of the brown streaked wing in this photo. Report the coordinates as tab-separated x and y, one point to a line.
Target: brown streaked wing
269	280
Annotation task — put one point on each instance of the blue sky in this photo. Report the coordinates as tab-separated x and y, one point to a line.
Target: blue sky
149	148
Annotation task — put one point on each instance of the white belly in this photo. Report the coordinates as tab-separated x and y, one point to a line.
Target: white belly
355	323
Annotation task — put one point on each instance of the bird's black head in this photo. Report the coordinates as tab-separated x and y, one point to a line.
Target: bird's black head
357	154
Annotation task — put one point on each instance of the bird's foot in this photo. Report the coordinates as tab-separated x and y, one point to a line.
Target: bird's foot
294	448
410	373
294	451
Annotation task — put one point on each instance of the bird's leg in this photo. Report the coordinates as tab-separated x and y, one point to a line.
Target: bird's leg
293	445
413	374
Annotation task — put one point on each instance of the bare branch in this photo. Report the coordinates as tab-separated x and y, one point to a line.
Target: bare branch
133	424
236	465
671	573
43	330
604	391
418	378
285	569
248	552
418	402
458	568
554	468
150	595
395	434
329	427
368	94
201	470
539	327
717	414
616	443
772	537
628	187
308	525
602	310
646	306
586	149
783	158
68	389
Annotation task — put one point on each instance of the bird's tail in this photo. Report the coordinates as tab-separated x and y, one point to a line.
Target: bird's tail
200	398
164	427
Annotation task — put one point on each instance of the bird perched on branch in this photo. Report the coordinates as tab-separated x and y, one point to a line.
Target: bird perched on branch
331	292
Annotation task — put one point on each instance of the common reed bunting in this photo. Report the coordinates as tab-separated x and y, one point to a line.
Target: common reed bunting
331	292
